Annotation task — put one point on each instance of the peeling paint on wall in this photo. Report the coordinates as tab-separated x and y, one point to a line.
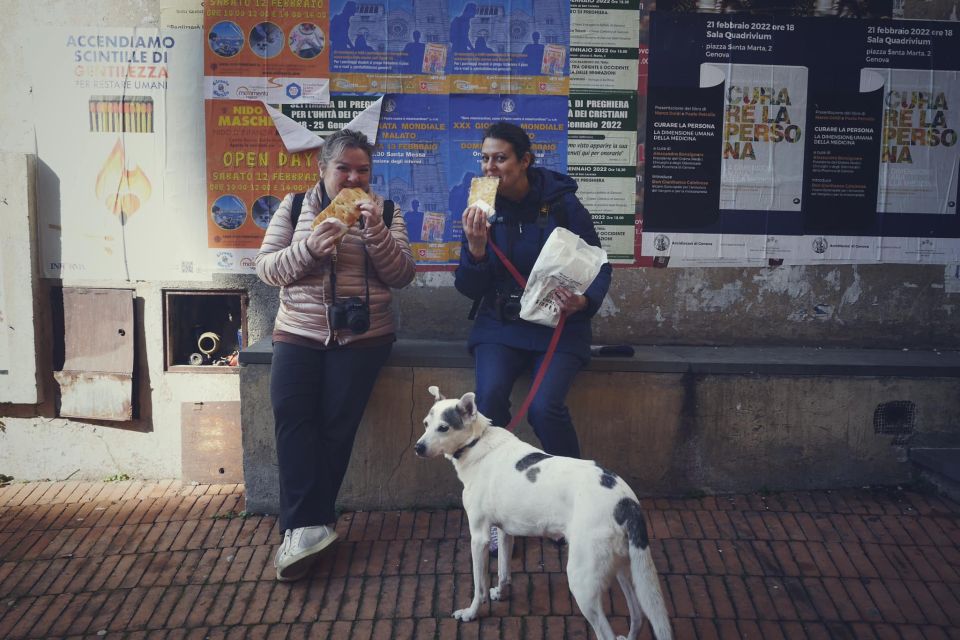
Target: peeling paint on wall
608	308
693	288
951	278
434	279
852	294
791	282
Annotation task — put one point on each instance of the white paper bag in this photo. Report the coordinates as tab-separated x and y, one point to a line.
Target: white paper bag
566	261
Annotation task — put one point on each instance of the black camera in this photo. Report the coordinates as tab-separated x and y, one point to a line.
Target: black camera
352	313
508	305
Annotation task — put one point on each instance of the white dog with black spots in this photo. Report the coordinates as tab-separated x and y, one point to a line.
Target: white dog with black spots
523	491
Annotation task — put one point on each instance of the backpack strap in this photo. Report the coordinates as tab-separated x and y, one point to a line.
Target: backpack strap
388	207
295	209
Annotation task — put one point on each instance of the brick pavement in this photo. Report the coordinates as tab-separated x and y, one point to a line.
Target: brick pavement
165	560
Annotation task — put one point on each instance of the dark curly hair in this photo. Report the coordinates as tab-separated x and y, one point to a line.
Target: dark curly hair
513	134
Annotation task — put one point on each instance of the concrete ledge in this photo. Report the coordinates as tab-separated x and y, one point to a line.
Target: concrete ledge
796	361
669	420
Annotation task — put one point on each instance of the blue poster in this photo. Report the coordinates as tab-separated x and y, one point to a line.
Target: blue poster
411	166
520	37
544	118
396	46
509	47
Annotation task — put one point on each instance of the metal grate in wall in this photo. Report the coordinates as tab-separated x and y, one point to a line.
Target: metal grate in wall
895	419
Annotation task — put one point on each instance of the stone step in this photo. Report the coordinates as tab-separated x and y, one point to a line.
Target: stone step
942	460
940	466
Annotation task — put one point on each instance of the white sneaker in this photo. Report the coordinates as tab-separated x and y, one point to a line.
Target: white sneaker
299	549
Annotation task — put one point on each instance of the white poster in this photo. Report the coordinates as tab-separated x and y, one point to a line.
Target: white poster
764	116
108	104
919	156
604	44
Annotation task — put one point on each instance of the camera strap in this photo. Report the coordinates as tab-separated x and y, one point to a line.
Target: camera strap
366	275
551	348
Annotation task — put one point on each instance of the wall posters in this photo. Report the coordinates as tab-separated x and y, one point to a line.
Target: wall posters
760	148
109	207
449	68
274	51
411	165
431	58
408	57
450	46
602	157
602	113
604	44
278	53
519	46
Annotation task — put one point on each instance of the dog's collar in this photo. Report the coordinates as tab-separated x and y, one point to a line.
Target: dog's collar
469	445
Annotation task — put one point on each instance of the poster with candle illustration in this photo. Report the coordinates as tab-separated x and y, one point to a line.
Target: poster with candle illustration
107	206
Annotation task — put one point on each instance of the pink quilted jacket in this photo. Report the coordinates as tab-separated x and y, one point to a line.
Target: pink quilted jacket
283	261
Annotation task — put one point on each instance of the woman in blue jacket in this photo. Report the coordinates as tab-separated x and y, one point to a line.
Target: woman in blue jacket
531	202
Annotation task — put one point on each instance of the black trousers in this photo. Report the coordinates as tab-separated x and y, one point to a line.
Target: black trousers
318	400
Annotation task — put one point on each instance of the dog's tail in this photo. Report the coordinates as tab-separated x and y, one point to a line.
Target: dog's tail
642	570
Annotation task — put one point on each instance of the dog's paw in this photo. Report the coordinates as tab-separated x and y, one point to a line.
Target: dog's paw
500	593
465	615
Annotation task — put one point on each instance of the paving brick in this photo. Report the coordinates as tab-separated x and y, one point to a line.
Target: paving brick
858	556
295	596
185	605
657	525
53	609
238	607
261	565
69	615
133	599
149	561
28	581
862	600
947	599
257	603
676	562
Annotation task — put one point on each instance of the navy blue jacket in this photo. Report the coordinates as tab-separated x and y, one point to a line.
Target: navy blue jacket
518	235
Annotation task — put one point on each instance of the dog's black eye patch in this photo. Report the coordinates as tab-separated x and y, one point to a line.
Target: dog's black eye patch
532	473
608	478
531	459
452	417
628	513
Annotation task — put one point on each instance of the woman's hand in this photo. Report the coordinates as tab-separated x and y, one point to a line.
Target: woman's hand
477	230
570	302
372	214
323	241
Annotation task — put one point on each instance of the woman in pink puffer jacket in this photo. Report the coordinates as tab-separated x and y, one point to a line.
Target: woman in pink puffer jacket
328	346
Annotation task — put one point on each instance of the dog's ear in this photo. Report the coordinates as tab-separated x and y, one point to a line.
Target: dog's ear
435	392
468	405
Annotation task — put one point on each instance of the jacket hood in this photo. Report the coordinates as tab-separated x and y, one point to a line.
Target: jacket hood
550	184
545	186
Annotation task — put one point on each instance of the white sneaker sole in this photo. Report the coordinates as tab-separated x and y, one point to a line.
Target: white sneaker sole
297	566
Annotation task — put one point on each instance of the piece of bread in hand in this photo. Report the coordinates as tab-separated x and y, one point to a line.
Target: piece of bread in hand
335	222
483	194
343	207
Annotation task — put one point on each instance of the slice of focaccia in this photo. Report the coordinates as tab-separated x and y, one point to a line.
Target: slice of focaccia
483	193
343	207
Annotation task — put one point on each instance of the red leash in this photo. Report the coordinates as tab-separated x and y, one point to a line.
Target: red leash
554	339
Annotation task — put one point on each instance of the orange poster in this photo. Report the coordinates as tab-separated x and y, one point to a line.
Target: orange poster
266	40
248	173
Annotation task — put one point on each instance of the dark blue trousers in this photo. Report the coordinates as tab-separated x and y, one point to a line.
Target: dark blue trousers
318	400
499	366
